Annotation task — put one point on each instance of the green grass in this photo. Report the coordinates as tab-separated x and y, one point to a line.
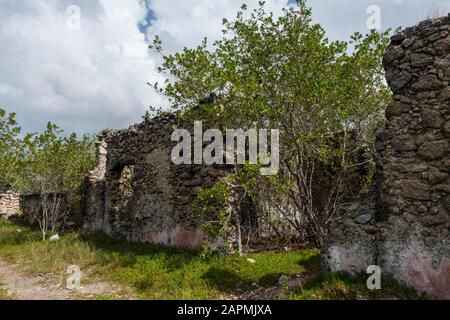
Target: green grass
154	272
151	271
3	294
341	286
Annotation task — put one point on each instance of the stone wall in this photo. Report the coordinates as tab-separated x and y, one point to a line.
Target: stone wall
27	207
9	204
139	194
403	224
31	208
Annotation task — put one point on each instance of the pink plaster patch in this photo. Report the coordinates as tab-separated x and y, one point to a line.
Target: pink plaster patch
419	272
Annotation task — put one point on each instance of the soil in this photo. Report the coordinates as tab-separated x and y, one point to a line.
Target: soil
21	286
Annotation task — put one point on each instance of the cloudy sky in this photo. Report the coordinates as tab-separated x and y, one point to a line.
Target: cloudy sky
90	73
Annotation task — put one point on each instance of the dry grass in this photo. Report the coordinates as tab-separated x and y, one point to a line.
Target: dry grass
3	294
434	12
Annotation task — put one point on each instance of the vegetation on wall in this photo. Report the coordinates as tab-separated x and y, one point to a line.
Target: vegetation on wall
326	98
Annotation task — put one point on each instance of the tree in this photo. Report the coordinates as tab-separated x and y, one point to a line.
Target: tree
283	73
54	168
9	149
49	165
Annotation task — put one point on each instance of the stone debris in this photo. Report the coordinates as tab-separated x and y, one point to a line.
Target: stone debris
54	238
284	280
364	219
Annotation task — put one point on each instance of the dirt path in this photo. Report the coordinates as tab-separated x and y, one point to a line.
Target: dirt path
48	287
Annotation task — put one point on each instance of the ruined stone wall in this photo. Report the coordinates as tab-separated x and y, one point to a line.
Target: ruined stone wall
28	206
31	207
403	225
9	204
139	194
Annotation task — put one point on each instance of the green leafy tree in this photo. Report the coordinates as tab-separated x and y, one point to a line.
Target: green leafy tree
10	149
54	167
48	164
326	97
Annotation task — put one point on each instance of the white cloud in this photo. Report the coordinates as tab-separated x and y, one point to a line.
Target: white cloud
83	79
96	77
186	22
341	18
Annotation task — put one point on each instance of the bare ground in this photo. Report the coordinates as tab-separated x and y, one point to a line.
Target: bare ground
20	286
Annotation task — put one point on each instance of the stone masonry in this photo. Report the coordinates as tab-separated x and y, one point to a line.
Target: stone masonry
137	192
403	225
9	204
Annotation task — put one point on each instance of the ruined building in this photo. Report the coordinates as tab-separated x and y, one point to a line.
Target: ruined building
138	193
9	204
403	226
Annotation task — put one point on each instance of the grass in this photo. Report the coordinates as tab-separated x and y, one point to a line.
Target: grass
341	286
151	271
3	294
156	272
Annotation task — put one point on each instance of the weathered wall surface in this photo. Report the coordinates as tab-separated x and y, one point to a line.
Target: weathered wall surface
9	204
403	225
31	208
139	194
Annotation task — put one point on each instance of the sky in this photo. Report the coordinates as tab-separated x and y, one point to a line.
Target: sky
85	64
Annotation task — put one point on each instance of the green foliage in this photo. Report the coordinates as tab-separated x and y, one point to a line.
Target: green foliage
9	147
341	286
48	163
212	206
255	185
263	65
3	294
326	97
56	163
42	162
54	166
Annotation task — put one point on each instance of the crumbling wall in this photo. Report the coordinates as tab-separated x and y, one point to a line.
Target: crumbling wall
9	204
31	208
403	224
139	194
